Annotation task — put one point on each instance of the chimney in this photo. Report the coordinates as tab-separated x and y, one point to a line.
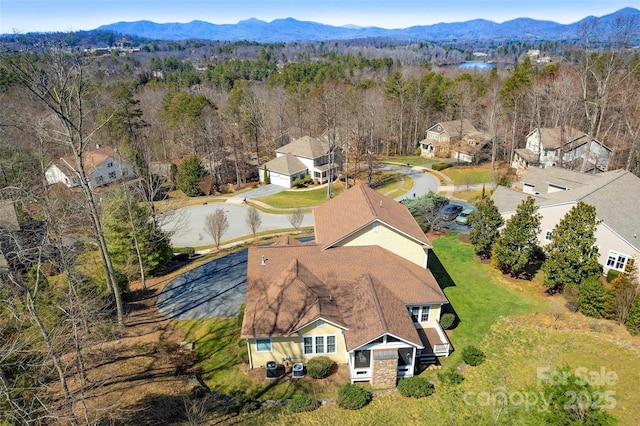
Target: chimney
264	261
380	203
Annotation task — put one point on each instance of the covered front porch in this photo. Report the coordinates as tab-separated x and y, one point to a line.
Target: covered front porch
382	362
322	173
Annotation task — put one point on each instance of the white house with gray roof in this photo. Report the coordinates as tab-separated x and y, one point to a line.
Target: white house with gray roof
304	156
615	195
562	146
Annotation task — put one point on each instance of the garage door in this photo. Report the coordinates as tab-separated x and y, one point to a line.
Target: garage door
280	180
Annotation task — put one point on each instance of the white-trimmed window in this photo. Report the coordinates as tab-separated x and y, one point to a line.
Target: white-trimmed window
547	235
315	345
263	345
419	313
617	260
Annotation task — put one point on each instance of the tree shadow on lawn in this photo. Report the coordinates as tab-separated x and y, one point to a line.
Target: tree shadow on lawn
444	280
439	271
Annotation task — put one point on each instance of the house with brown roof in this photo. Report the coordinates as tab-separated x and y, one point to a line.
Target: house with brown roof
556	190
362	216
457	139
562	146
301	157
102	166
354	294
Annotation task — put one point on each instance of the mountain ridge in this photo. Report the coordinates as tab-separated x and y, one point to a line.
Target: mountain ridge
292	30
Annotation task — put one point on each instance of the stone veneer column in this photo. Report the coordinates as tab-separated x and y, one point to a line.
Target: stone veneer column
384	373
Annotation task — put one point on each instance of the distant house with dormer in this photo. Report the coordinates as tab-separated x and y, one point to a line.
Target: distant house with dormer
556	190
562	146
457	139
102	167
301	157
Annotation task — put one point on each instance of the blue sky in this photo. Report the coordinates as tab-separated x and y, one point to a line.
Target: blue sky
23	16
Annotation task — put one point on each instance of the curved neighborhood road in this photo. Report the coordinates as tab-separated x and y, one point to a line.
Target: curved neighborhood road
187	225
217	288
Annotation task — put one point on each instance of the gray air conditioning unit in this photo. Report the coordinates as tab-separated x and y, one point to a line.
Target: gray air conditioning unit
272	369
297	370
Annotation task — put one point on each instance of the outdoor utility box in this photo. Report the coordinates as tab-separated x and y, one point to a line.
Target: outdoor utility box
297	370
272	370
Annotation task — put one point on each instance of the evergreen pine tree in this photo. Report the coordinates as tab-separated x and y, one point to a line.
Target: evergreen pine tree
633	318
593	297
572	255
120	224
188	176
516	250
485	227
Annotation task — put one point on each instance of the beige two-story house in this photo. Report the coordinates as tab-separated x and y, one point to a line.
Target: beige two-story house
457	139
361	293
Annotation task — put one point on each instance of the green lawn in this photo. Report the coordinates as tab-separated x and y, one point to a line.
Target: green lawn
300	197
392	185
413	160
469	175
518	329
222	360
475	292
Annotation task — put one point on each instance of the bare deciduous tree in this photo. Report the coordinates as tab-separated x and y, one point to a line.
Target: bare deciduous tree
62	87
253	220
216	224
296	217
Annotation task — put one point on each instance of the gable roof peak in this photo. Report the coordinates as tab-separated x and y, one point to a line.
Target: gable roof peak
358	207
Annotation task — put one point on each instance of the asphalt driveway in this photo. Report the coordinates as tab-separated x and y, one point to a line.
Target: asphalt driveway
216	289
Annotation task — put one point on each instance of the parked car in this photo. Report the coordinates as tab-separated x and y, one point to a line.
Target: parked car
450	212
463	217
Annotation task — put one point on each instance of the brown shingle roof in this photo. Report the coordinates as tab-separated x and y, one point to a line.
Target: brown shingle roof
365	289
306	147
555	137
453	128
360	206
90	159
286	164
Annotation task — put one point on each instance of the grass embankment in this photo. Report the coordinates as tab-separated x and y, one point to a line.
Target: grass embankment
477	292
470	175
411	160
303	198
518	328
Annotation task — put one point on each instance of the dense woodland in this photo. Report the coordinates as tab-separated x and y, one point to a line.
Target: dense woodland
230	105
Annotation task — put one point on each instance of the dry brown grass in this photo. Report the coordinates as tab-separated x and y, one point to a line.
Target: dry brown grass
139	375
